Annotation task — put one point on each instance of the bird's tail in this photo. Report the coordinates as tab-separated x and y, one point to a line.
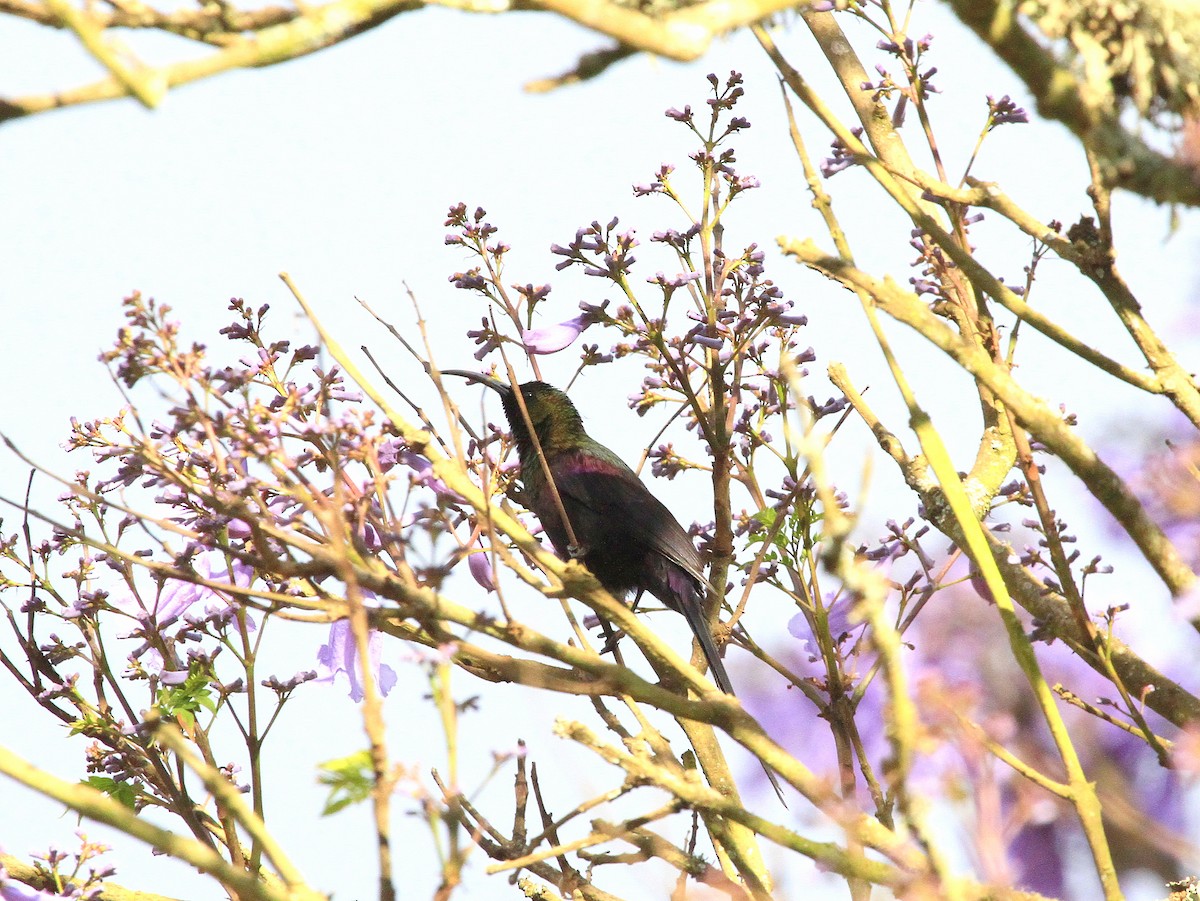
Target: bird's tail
692	607
688	600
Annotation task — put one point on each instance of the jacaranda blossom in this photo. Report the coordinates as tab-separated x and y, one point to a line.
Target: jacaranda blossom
481	571
340	657
11	890
177	598
553	338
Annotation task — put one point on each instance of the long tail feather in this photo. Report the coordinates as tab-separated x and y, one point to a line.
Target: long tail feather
690	605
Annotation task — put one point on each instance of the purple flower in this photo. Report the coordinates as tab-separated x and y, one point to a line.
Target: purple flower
838	612
340	656
1035	854
677	281
11	890
283	686
711	341
238	529
842	157
1005	112
389	453
533	294
469	281
481	570
422	471
177	598
797	627
553	338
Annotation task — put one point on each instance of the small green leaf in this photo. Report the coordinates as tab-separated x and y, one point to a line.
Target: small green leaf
350	780
118	791
765	518
186	700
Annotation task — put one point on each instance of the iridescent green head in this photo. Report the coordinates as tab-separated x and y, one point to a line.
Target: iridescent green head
555	420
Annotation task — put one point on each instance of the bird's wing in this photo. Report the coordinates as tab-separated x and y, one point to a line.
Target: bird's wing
612	502
605	499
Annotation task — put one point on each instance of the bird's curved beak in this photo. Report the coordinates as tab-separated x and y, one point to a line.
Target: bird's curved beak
495	384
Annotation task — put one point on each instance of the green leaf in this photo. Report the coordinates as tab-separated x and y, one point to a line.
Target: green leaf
118	791
765	519
350	780
89	724
187	699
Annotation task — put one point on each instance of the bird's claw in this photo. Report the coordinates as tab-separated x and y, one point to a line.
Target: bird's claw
611	639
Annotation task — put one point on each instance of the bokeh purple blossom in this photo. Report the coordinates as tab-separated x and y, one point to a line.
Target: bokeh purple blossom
338	659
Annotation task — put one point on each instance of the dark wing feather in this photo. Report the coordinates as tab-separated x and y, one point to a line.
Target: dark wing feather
634	541
610	500
631	540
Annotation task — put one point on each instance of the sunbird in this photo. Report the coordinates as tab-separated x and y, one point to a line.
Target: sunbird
622	533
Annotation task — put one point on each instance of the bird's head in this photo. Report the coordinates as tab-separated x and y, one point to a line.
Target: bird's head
555	420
